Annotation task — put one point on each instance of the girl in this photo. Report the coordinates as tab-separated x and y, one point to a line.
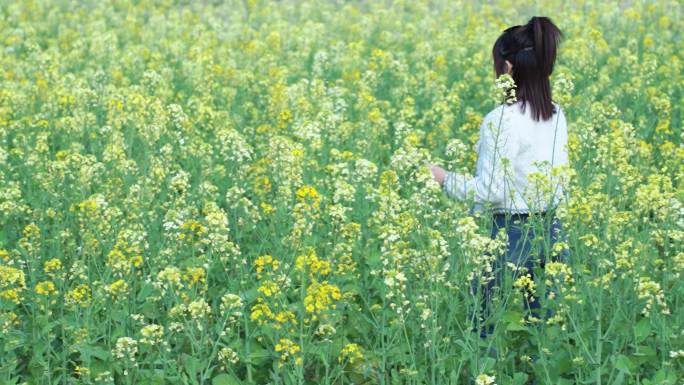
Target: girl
514	138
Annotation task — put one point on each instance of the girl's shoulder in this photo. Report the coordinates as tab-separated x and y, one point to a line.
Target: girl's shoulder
558	110
505	111
556	106
502	117
497	112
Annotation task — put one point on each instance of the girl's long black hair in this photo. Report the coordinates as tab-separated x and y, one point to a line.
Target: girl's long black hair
531	49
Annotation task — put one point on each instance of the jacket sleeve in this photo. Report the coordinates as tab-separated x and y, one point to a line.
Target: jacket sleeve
497	146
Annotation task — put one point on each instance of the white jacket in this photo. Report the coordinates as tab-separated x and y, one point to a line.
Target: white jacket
508	133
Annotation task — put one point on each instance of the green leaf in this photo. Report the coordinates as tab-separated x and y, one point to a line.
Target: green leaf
257	354
644	354
95	351
515	327
642	329
99	366
119	331
488	364
513	321
665	376
624	364
453	377
150	310
191	364
251	295
519	378
153	377
225	379
564	363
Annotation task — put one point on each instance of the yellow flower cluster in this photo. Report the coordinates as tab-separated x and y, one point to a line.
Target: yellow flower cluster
653	294
288	349
485	379
126	348
118	289
311	263
560	274
46	288
12	283
350	353
309	194
262	313
80	295
199	309
272	308
526	284
52	267
191	230
170	277
264	261
123	255
195	276
320	297
152	334
305	213
231	306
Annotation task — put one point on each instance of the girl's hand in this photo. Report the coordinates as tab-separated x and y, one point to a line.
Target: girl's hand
438	173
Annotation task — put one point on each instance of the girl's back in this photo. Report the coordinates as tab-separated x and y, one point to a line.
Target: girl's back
509	134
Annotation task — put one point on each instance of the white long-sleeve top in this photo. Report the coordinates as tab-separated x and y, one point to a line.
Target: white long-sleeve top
508	133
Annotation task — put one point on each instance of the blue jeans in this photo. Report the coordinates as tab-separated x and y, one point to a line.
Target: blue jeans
521	242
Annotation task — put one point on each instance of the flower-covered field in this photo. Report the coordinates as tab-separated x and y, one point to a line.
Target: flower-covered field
199	192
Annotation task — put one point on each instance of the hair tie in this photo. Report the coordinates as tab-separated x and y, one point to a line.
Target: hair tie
504	52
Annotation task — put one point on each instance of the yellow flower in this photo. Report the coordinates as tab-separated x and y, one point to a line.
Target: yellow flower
169	277
268	288
80	295
313	263
308	194
440	61
81	371
52	266
31	231
484	379
263	261
320	297
525	283
195	275
284	117
136	260
288	348
351	352
285	316
267	208
46	288
262	184
89	205
152	334
191	230
12	283
374	115
261	312
118	289
199	308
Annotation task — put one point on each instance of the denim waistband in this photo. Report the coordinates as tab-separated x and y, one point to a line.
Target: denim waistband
522	215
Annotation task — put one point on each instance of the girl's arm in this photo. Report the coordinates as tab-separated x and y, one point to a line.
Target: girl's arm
497	148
